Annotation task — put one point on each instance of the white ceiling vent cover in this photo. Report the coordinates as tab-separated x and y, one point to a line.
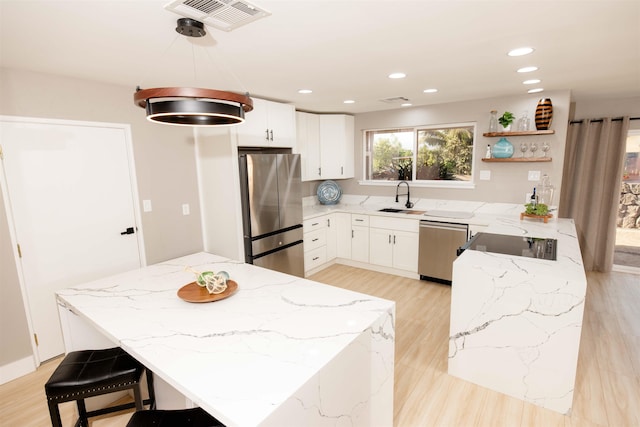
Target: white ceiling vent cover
394	100
225	15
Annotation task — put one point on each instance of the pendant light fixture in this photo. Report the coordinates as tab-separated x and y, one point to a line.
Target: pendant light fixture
186	106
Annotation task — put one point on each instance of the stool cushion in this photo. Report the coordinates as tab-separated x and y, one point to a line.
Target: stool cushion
194	417
80	370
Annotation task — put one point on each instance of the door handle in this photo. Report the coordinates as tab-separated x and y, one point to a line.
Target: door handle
271	135
267	131
129	230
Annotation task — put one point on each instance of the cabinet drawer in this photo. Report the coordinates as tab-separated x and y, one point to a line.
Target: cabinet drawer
316	223
315	239
400	224
358	219
315	258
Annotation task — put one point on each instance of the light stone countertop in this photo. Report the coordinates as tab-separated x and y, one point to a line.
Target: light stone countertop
464	212
274	353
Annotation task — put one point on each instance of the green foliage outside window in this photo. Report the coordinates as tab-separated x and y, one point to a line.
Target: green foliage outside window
441	153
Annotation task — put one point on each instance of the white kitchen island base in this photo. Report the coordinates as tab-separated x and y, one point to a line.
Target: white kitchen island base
281	351
516	321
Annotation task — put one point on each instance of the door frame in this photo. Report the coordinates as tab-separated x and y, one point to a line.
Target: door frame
126	128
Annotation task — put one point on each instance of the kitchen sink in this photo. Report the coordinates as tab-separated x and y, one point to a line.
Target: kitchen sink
404	211
392	210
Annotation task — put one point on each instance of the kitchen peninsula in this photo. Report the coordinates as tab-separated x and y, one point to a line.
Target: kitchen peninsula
516	321
275	353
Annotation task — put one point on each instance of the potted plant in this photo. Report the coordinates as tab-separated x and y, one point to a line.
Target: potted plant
505	120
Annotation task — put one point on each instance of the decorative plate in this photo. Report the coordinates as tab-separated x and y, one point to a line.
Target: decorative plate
194	293
329	192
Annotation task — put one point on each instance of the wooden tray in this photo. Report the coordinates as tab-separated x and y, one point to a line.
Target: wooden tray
194	293
543	217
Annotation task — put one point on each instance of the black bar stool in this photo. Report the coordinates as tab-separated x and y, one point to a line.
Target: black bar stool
194	417
87	373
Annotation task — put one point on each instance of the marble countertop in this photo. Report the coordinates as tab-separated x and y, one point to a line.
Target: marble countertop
459	211
516	321
239	358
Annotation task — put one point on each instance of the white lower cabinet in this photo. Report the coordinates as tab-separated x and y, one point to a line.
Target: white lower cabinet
394	243
332	237
343	235
360	237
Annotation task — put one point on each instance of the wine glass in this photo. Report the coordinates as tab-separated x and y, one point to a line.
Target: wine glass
523	148
533	148
545	148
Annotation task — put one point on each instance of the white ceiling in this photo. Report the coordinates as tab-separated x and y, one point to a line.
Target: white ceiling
339	49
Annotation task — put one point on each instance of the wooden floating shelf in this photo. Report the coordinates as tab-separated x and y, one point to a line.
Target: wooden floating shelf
519	159
521	133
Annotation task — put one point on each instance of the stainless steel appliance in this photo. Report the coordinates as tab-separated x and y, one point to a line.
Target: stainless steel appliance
438	244
529	247
272	211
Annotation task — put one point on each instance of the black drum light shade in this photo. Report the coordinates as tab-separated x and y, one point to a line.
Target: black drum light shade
193	106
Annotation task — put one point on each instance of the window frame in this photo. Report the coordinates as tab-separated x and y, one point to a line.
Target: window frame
367	161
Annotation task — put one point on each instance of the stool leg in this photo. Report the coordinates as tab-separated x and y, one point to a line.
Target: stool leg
54	413
137	396
82	413
152	390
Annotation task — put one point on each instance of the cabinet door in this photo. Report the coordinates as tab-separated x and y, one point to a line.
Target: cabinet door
254	131
281	119
332	237
343	240
308	145
360	243
336	146
381	247
405	251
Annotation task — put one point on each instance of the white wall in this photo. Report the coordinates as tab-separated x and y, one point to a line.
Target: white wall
164	160
509	181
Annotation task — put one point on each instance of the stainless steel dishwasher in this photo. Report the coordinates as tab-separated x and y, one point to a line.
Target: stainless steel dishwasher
439	242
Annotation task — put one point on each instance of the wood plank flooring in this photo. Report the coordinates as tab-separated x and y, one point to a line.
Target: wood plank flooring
607	386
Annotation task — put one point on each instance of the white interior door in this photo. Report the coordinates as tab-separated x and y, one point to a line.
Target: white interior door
71	193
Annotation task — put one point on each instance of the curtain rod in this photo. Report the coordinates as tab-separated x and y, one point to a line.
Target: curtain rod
616	119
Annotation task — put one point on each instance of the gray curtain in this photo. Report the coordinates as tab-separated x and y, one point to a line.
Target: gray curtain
592	173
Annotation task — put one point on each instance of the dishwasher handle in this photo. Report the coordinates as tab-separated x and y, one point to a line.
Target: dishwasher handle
443	225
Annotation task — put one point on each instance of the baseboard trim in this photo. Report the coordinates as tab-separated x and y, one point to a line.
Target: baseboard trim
17	369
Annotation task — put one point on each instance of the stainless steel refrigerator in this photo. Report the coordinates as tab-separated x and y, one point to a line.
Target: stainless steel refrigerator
272	211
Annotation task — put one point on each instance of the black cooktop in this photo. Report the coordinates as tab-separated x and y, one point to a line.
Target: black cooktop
531	247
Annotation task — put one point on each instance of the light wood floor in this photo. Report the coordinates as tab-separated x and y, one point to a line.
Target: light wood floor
607	387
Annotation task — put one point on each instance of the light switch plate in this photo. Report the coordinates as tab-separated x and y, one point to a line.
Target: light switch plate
534	175
185	209
485	175
146	206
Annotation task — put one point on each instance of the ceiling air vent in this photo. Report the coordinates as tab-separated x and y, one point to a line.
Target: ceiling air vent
395	100
225	15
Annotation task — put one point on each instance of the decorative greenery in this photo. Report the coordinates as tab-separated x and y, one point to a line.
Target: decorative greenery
538	209
506	119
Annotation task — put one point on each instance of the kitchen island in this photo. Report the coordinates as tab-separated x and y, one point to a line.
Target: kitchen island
516	321
281	351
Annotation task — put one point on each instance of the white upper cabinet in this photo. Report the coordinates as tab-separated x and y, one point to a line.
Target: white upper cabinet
336	146
325	143
269	124
308	145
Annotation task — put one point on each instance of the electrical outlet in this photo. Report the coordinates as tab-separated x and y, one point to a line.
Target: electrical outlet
185	209
485	175
146	206
534	175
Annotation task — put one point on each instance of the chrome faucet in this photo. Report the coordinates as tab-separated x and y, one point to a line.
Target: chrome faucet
408	204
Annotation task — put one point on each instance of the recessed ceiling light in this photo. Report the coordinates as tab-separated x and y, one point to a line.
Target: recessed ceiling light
520	51
397	75
305	91
531	82
527	69
536	90
349	101
407	104
430	90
